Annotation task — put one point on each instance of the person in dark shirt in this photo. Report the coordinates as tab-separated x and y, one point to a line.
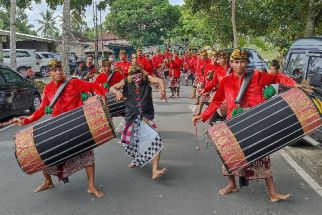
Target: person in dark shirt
140	137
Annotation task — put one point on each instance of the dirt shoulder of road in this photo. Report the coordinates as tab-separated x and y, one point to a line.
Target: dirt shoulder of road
309	157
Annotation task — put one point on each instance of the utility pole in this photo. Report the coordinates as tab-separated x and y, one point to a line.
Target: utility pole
96	33
13	61
101	32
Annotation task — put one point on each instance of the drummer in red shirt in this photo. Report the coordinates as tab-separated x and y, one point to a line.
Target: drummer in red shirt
69	99
221	70
144	62
192	63
157	59
228	90
108	78
201	75
175	72
123	64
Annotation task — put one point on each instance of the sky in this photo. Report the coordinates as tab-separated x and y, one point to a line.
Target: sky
33	13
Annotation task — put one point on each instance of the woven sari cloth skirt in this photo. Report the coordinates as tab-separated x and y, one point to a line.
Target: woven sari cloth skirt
72	165
259	169
141	141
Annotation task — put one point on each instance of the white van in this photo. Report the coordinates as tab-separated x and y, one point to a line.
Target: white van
44	58
25	58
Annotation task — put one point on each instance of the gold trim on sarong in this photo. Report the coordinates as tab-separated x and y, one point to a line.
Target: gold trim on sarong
227	146
98	120
304	109
26	153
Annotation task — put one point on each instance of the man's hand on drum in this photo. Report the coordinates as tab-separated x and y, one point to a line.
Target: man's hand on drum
119	96
18	121
196	119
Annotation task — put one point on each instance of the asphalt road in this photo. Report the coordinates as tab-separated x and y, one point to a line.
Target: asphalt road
189	188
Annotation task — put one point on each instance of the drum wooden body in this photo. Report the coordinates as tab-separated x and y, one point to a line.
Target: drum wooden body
116	108
265	128
58	139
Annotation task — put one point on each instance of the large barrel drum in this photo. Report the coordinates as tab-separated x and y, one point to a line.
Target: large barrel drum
58	139
116	108
265	128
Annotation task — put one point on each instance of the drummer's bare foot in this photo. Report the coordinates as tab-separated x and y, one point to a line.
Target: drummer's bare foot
95	192
131	165
230	188
275	197
192	97
44	186
159	173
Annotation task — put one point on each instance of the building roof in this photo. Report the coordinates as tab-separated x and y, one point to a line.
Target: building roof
27	36
107	36
90	47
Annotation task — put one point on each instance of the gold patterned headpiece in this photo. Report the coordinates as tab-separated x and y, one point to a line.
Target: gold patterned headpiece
204	53
222	54
53	64
239	54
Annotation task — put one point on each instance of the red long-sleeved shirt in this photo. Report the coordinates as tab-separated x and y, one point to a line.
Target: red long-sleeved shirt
175	67
200	66
192	63
145	64
102	79
157	60
168	56
68	100
230	86
124	65
220	73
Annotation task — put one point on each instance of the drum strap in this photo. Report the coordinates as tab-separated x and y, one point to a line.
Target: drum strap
48	109
107	84
229	71
248	77
249	74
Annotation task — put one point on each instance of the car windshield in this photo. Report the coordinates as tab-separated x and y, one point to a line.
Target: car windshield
295	67
46	55
315	65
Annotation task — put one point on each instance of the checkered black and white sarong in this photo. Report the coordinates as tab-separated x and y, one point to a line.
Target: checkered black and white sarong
141	141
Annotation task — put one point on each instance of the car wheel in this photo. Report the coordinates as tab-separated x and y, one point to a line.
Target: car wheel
36	100
22	70
43	71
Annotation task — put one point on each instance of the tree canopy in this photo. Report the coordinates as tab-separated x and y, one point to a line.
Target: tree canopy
143	22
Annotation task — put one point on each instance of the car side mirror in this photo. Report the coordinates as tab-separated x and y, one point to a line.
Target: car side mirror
315	80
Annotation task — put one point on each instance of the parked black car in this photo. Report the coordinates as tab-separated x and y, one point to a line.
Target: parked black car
255	60
17	94
304	61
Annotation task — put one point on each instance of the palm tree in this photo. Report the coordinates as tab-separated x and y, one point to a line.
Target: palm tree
48	24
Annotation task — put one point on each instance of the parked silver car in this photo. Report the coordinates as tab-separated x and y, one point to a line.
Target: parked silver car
25	58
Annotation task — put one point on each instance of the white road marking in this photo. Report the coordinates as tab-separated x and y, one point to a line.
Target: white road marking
7	127
315	186
311	140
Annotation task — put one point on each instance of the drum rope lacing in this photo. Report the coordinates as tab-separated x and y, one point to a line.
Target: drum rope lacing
88	105
269	152
67	114
266	128
32	162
